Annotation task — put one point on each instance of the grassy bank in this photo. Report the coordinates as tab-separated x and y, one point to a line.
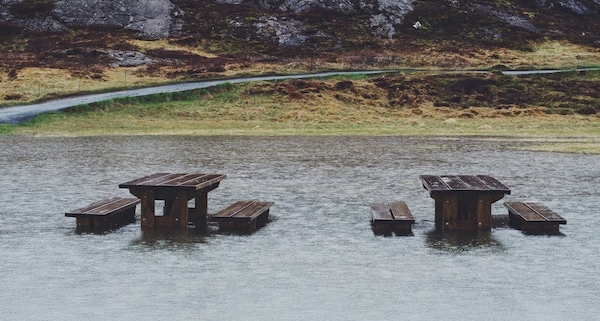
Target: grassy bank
393	105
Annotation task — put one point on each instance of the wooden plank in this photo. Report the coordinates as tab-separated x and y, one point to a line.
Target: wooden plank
381	212
83	210
474	182
493	184
180	179
525	212
104	207
143	180
168	181
433	183
114	206
455	183
232	209
401	212
204	180
546	213
253	210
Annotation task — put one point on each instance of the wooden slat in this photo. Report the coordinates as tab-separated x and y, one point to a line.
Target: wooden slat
455	183
400	211
546	213
474	182
158	177
92	206
204	179
179	179
104	207
443	183
253	210
381	212
232	209
113	206
174	180
493	184
433	183
524	211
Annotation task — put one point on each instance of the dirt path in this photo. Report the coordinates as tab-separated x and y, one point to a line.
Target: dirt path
19	114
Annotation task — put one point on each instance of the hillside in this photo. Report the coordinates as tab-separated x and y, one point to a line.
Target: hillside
60	47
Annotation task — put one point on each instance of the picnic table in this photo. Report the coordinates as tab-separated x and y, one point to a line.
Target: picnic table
463	201
176	190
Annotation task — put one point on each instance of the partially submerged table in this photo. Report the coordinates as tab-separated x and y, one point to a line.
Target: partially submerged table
175	190
463	201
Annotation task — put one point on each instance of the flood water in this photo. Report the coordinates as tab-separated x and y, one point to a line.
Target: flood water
318	259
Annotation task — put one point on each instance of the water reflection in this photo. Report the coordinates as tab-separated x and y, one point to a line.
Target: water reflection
164	237
463	241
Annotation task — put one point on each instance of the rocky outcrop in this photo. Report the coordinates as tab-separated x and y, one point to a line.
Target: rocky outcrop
280	21
385	14
575	6
151	18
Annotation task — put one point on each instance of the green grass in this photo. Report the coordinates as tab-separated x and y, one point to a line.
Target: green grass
5	129
317	107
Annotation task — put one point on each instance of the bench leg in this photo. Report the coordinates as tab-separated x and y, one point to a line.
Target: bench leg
382	227
403	228
83	222
262	219
244	226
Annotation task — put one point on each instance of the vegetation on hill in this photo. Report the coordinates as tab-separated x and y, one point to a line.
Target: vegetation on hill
226	38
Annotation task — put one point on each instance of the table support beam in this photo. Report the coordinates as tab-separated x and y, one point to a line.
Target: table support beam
147	207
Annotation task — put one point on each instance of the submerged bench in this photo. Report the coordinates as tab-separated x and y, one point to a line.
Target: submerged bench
391	217
105	214
243	216
532	217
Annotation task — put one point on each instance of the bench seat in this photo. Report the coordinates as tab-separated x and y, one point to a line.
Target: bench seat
391	217
105	214
532	217
243	216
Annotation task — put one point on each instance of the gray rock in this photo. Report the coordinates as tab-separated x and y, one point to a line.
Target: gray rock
151	18
287	32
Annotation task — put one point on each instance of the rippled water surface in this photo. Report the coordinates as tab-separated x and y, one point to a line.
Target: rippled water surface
318	259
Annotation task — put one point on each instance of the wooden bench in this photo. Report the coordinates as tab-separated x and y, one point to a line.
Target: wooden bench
532	217
105	214
391	217
243	216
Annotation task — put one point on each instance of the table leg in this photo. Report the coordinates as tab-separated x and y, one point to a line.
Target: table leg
439	213
147	208
198	216
446	211
484	212
450	213
179	210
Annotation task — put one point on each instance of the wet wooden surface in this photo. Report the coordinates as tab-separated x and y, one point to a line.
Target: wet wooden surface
107	213
391	217
176	189
463	202
533	217
243	216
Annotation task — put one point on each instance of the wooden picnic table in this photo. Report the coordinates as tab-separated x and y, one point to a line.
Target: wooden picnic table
463	201
175	190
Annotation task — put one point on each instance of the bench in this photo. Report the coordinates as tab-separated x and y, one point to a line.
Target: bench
532	217
391	217
105	214
243	216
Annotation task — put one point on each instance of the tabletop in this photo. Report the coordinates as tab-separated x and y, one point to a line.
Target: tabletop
457	183
194	181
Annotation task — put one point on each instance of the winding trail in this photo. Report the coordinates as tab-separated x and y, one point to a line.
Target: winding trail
19	114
